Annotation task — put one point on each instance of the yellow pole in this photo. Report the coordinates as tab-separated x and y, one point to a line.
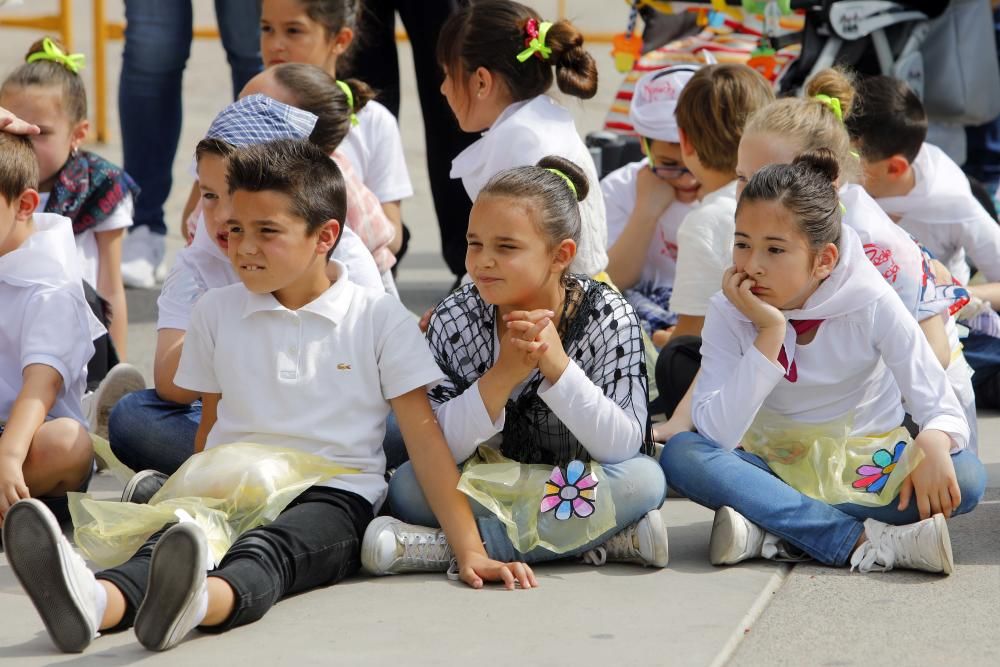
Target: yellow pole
66	23
100	71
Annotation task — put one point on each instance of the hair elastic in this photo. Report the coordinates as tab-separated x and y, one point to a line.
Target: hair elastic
569	181
536	40
73	61
350	100
833	104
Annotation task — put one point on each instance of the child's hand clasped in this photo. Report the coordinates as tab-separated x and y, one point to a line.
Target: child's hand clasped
534	333
736	285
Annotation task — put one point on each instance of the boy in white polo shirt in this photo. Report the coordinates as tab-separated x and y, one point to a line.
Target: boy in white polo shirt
286	357
46	339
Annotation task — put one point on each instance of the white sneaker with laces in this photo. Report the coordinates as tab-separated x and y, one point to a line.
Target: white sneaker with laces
925	545
644	542
177	593
393	547
142	254
735	539
121	380
53	575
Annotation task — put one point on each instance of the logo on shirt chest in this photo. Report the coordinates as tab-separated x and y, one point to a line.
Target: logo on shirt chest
343	367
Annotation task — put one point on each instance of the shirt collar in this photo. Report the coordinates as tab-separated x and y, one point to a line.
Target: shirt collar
331	304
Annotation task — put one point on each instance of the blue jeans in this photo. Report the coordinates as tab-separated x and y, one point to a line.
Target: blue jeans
148	433
157	46
711	476
637	486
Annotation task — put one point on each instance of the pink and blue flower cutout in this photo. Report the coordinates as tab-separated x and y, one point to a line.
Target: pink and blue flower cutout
874	477
570	493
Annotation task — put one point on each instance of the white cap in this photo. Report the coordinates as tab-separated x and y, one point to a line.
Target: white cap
655	100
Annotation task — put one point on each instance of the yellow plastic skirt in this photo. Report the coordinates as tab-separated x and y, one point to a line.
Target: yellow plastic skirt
559	508
226	490
825	462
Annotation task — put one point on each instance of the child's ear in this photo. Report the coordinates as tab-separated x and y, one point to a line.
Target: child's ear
79	133
826	261
482	83
896	166
326	237
27	202
564	255
342	40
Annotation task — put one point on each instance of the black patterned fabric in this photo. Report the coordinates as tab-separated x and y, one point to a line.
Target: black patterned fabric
600	333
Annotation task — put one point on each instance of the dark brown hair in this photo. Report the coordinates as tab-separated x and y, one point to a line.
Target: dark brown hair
335	15
317	92
556	204
298	169
888	120
714	107
491	33
805	189
51	73
18	166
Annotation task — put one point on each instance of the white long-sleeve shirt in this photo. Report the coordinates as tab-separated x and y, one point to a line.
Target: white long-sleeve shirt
941	212
867	354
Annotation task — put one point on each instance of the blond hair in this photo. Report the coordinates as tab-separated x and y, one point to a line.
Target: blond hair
812	124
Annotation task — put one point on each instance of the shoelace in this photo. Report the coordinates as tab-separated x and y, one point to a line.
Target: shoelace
776	549
619	547
422	549
877	554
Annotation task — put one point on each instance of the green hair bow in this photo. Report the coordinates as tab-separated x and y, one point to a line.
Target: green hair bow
536	41
350	100
72	61
833	103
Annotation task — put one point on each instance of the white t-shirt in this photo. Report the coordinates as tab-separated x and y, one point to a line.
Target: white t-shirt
203	266
318	378
619	190
86	243
46	319
375	149
941	212
522	135
704	251
867	354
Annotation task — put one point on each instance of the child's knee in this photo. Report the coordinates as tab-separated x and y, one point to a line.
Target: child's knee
59	446
681	452
971	476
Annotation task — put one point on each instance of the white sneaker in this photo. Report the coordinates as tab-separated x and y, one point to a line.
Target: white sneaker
393	547
924	545
177	593
735	539
121	380
644	542
142	254
53	575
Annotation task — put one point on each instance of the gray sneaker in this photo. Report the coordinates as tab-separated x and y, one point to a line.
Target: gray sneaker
121	380
53	575
643	543
393	547
143	486
177	590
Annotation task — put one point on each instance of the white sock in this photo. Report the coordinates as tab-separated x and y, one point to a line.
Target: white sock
202	608
100	605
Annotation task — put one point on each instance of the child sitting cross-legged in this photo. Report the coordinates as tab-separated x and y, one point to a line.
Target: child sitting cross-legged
544	368
346	354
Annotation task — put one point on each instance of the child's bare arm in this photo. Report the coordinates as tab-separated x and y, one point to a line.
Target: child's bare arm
110	286
209	413
394	211
41	386
169	345
934	332
438	477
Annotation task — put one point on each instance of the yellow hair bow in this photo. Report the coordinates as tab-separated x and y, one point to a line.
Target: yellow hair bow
833	103
72	61
350	100
536	40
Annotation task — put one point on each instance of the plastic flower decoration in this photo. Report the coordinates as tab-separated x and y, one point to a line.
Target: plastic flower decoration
571	493
874	477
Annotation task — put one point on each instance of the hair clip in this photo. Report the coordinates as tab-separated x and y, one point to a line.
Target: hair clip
73	61
535	41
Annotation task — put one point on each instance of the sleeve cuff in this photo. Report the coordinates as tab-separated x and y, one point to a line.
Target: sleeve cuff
765	365
52	362
956	429
185	381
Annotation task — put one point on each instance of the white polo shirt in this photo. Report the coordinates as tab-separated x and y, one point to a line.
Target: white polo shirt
45	317
318	378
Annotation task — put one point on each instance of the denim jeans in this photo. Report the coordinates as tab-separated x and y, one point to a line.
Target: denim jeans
637	486
157	46
713	477
315	541
148	433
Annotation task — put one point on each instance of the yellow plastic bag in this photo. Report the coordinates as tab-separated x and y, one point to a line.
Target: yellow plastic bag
102	449
558	508
824	462
227	490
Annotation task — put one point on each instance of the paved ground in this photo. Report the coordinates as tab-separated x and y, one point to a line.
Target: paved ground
689	614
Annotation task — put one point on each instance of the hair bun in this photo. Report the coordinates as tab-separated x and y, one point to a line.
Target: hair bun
573	172
820	161
576	69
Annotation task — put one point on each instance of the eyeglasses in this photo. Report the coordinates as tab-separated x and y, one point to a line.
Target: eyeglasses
668	173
